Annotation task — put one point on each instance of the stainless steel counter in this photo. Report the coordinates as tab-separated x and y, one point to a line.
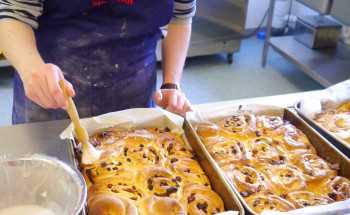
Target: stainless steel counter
217	27
35	138
44	137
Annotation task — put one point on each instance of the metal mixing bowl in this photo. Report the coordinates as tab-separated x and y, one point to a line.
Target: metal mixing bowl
37	179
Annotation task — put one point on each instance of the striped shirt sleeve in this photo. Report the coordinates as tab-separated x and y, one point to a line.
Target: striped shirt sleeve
26	11
184	10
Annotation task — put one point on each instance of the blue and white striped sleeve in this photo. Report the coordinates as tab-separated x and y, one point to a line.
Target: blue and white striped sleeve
26	11
184	10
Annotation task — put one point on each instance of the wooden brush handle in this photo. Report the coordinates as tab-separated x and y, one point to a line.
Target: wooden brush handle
80	131
90	154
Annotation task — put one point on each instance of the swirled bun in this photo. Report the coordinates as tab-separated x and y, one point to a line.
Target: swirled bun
271	163
336	121
161	205
337	188
111	205
261	203
301	199
247	180
199	199
146	172
314	168
186	170
344	108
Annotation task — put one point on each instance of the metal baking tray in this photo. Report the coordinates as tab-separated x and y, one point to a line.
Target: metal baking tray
217	180
342	145
323	147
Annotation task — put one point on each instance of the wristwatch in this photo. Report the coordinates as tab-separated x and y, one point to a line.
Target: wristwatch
171	86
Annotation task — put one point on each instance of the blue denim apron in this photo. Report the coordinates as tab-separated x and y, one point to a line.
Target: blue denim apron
105	48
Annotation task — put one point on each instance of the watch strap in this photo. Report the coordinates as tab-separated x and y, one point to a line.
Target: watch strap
170	86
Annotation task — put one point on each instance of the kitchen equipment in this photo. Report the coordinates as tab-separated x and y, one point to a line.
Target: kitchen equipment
317	31
41	180
90	154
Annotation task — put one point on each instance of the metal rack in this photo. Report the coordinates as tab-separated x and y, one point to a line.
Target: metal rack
327	66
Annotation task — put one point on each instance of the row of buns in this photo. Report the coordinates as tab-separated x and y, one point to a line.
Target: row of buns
271	163
336	121
147	171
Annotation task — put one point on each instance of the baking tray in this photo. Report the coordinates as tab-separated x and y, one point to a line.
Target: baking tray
323	147
342	145
218	182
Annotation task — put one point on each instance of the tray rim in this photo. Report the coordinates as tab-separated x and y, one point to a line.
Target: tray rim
72	146
285	109
315	124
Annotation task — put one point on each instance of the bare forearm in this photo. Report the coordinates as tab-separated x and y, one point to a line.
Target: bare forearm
174	50
40	80
18	44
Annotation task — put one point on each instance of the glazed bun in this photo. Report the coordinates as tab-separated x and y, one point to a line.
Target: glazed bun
336	121
314	168
161	205
261	203
247	180
344	108
111	205
271	163
146	172
199	199
338	188
186	170
302	199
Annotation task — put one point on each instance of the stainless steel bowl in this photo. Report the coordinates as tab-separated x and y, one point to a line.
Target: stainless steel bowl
37	179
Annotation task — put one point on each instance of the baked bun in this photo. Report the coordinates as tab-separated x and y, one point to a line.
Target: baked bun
111	205
120	186
271	163
172	145
264	150
242	126
266	124
206	130
147	169
339	125
344	108
186	170
337	188
292	139
158	181
260	203
247	180
138	153
227	151
336	121
161	205
301	199
105	167
314	168
199	199
285	178
324	114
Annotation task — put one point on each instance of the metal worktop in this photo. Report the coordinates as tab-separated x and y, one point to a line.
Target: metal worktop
217	27
327	66
44	137
40	137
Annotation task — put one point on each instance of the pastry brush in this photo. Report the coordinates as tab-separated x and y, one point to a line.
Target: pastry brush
89	154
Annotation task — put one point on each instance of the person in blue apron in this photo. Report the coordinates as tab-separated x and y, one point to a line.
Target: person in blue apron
104	50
